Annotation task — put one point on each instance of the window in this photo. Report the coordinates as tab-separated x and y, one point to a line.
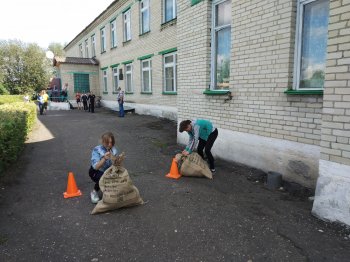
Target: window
81	83
87	48
128	78
103	39
144	16
104	73
115	79
93	46
127	26
113	33
170	72
81	50
146	76
169	10
221	45
311	44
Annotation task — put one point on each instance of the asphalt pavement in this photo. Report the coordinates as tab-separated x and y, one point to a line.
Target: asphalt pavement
229	218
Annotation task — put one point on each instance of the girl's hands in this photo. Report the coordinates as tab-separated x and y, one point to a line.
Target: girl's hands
107	155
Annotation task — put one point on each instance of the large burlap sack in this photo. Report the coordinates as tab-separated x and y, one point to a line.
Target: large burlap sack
117	188
193	165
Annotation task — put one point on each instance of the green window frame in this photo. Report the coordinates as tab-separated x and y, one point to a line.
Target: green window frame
310	54
81	83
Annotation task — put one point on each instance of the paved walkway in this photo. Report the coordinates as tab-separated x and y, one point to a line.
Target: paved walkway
226	219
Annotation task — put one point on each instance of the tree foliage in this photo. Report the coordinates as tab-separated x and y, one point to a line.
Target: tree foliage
23	67
56	49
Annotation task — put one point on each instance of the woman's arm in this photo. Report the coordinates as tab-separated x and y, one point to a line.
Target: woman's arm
193	139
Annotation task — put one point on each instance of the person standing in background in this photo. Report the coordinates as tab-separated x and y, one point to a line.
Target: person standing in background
91	99
77	98
40	100
120	99
84	98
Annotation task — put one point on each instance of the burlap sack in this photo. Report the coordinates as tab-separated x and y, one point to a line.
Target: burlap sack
193	165
117	188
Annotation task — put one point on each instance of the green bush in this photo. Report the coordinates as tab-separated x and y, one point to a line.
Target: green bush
4	99
3	90
16	121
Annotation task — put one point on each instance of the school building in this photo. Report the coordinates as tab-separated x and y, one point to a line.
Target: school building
272	75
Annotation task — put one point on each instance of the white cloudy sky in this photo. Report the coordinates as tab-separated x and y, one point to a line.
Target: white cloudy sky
46	21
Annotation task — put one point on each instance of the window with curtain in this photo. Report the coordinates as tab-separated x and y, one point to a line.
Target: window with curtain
128	78
103	39
115	79
311	44
105	80
169	10
87	48
170	73
113	28
144	16
127	26
93	46
146	76
221	45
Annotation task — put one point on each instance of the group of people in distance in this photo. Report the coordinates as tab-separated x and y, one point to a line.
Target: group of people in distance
84	101
201	132
88	101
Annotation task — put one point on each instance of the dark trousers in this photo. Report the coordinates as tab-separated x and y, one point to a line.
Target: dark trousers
41	108
121	110
95	176
207	145
92	107
85	105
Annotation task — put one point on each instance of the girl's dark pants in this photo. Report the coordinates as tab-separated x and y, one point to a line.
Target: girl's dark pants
41	108
95	176
208	145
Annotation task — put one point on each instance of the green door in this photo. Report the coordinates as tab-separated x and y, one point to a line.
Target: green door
81	83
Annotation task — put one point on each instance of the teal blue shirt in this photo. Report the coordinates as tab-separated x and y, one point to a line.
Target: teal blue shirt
201	128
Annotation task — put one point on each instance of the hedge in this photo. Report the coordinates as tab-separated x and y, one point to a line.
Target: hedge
4	99
16	121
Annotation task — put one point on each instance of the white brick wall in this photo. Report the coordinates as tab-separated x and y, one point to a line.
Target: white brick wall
67	76
159	38
261	70
336	107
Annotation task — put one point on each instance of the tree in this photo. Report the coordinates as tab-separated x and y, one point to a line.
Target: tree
23	67
56	49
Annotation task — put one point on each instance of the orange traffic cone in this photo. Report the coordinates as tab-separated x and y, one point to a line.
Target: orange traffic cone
72	189
174	171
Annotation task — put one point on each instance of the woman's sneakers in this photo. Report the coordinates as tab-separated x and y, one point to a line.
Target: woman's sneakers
94	197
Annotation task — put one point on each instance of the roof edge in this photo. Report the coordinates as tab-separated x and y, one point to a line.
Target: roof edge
100	15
